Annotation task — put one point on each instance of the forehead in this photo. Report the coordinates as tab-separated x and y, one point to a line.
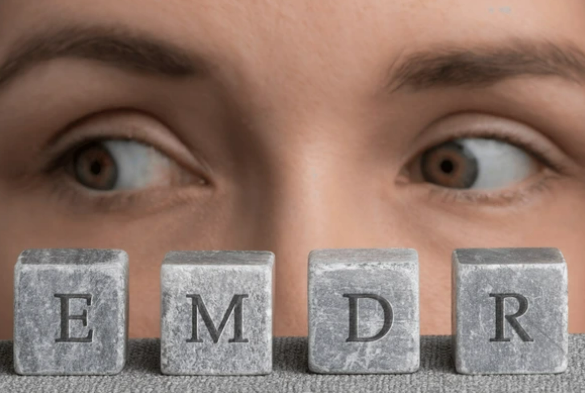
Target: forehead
345	44
324	27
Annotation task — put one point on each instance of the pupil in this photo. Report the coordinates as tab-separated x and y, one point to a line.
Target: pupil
447	166
96	168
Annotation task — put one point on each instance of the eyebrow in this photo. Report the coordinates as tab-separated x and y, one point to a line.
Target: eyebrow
443	66
483	66
110	45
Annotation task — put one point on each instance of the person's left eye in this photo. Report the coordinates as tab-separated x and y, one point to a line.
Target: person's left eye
475	163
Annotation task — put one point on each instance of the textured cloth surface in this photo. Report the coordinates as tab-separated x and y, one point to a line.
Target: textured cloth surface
291	375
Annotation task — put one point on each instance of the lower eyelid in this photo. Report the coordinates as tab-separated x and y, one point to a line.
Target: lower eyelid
505	197
80	200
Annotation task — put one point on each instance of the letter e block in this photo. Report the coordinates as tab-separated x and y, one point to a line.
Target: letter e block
70	312
363	311
510	311
216	313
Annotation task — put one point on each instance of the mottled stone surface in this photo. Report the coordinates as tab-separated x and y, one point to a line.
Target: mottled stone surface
436	375
218	279
510	311
337	275
48	340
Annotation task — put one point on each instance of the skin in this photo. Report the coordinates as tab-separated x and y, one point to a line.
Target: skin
299	145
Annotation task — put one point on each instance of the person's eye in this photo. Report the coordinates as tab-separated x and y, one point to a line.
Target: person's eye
118	165
475	163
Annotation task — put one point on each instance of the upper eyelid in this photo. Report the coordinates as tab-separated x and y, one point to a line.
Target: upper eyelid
69	140
540	153
524	145
78	142
68	152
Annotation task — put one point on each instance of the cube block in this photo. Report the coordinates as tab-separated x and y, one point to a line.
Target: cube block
216	313
510	311
363	311
70	312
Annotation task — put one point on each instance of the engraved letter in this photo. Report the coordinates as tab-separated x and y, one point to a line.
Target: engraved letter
353	317
199	308
66	317
500	314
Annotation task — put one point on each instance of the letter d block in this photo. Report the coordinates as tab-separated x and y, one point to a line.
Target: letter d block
70	312
216	313
363	311
510	311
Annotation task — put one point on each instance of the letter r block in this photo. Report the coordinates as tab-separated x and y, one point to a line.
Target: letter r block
363	311
510	311
70	312
216	313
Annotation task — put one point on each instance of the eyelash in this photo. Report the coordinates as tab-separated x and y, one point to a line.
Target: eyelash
65	156
103	202
494	198
108	201
537	152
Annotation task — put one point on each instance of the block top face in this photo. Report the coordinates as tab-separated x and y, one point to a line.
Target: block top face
350	256
508	256
223	258
59	256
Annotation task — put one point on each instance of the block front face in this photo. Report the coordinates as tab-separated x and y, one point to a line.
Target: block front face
216	313
363	311
510	311
70	312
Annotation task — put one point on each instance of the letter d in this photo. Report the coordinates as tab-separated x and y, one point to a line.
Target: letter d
353	317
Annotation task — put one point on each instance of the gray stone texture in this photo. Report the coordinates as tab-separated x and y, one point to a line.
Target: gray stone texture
510	311
219	280
45	332
436	375
391	274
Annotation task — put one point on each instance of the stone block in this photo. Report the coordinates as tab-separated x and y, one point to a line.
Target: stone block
70	312
363	311
216	313
510	311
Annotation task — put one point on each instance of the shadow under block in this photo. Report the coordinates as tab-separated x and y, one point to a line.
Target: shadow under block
216	313
70	312
510	311
363	311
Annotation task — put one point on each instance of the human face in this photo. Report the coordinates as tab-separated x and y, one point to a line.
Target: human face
287	126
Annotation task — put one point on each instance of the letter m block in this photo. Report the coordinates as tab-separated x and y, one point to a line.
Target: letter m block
216	313
363	311
510	311
70	312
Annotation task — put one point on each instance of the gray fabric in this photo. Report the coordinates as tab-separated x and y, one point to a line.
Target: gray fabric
290	375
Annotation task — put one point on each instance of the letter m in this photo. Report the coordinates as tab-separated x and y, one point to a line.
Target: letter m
199	308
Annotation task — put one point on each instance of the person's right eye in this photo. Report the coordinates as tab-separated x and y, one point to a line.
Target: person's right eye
107	174
116	165
121	161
